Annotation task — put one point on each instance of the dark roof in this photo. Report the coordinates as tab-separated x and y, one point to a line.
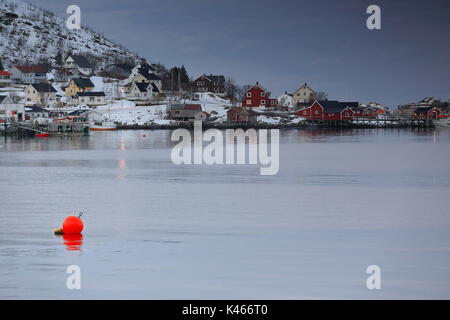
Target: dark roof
423	109
35	109
142	86
43	87
242	110
333	106
2	98
31	69
91	94
186	107
83	82
81	61
155	88
218	78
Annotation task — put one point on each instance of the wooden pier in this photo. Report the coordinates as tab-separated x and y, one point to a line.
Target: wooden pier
375	123
23	129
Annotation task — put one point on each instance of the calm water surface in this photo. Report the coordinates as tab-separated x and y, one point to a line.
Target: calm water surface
341	201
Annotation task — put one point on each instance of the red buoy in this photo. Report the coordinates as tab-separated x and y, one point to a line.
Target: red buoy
72	225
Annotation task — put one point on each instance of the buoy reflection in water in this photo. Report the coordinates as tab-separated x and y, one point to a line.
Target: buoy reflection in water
73	242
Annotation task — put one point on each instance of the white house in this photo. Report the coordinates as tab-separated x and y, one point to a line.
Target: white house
28	74
303	95
42	94
36	114
142	91
79	63
140	74
90	98
10	110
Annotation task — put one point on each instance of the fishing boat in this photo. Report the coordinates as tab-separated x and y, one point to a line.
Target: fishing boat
42	135
103	126
442	121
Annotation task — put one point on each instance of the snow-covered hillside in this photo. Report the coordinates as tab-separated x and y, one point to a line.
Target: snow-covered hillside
28	34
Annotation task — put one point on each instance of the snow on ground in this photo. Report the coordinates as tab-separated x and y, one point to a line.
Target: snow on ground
127	113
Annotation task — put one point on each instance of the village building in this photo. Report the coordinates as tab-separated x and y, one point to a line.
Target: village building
77	85
89	98
408	110
142	74
329	110
79	63
209	83
28	74
142	91
5	78
185	112
36	113
304	95
257	96
427	113
10	110
43	94
241	115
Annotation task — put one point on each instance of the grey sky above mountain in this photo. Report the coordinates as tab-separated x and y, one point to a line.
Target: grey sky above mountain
284	43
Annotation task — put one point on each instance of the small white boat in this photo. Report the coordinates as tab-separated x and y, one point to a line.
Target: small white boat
103	126
443	121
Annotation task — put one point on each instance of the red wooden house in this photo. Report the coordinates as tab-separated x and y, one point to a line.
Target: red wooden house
427	113
257	96
329	110
365	112
240	114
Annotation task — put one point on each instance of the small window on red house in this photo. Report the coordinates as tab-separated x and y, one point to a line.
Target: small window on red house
263	101
249	94
305	112
263	94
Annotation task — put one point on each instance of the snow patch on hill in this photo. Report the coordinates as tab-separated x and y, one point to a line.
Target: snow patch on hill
28	34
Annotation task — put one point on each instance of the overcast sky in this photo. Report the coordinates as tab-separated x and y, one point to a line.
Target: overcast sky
284	43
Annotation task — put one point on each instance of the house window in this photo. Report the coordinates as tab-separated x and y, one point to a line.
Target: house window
249	102
263	94
263	101
316	112
305	112
249	94
346	114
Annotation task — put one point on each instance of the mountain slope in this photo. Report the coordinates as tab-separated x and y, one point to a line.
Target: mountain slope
29	34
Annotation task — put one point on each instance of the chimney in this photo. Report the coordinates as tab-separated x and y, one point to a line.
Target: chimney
257	82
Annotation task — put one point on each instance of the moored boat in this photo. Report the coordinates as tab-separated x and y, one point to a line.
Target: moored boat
103	126
442	121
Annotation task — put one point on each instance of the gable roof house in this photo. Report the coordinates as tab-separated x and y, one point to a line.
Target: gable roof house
89	98
257	96
28	74
143	74
184	112
209	83
42	94
329	110
142	91
79	63
303	95
79	85
240	115
427	113
36	113
10	110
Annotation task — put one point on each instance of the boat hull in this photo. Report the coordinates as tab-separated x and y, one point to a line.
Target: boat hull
102	129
